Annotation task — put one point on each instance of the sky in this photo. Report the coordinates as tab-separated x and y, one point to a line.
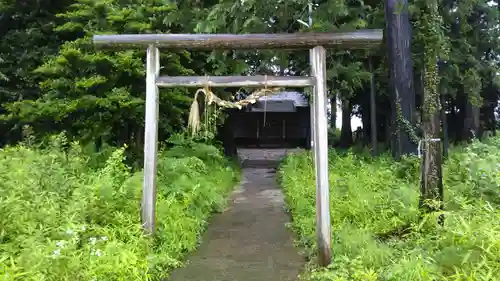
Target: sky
355	120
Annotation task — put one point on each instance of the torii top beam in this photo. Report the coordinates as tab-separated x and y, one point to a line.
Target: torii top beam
360	39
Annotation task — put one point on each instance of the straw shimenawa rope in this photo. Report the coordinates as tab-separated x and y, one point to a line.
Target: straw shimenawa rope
210	97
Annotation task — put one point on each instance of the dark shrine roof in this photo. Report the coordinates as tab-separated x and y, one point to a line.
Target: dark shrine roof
286	101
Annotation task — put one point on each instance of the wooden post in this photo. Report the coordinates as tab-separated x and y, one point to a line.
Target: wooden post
312	104
323	227
314	141
150	139
312	108
312	120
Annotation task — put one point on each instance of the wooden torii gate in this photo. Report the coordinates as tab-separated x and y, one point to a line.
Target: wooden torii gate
315	42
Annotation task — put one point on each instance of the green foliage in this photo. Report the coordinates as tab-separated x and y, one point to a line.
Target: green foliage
185	146
469	46
378	232
25	42
430	33
474	172
333	136
57	81
95	94
345	69
64	220
405	125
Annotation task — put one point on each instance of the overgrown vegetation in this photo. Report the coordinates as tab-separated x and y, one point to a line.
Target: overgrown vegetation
378	232
54	80
66	216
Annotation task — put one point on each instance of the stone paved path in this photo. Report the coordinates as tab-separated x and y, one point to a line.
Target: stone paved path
249	241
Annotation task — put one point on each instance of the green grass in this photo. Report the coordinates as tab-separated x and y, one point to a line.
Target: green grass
377	233
71	216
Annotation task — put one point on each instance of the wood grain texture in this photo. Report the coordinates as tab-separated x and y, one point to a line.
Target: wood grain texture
360	39
323	222
150	140
259	81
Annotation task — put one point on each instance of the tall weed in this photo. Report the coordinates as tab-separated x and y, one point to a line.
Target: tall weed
63	217
377	230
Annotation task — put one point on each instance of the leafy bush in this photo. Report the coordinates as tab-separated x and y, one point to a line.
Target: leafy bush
64	220
377	230
333	136
184	146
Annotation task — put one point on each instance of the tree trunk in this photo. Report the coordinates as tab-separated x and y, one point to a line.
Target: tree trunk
419	89
346	131
446	139
139	143
490	102
459	116
366	123
492	120
471	121
394	136
431	187
401	73
124	134
226	136
373	112
452	126
388	131
333	115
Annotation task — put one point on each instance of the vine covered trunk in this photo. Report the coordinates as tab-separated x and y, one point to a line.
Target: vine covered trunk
432	183
431	187
431	179
446	139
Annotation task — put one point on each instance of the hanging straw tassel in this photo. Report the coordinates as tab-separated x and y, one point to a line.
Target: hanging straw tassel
194	115
194	112
194	121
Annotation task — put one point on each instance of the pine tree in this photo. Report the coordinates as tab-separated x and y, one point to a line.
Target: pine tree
25	41
98	94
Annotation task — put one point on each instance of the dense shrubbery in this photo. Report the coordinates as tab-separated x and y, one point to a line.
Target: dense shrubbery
377	232
63	219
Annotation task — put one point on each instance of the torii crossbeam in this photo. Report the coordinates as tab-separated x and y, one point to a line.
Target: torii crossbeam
315	42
